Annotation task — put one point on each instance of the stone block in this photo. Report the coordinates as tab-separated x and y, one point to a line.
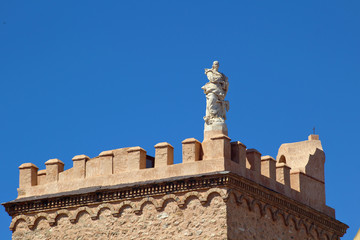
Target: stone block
283	173
238	159
27	175
253	162
253	165
79	166
313	137
238	155
218	147
312	191
136	159
106	163
191	149
41	177
120	160
164	154
214	130
53	168
268	167
305	156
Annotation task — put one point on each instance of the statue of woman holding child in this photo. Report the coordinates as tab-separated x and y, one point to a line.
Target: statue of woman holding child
216	90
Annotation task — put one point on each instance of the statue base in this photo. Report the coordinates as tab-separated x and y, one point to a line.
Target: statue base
211	130
216	144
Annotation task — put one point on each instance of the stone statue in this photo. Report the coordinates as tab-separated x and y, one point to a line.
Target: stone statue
216	90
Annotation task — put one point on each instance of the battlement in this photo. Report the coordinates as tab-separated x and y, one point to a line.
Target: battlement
297	172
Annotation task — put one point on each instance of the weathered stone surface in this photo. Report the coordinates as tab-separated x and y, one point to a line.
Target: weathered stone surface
253	224
191	150
210	214
79	166
216	105
164	154
27	175
192	201
193	221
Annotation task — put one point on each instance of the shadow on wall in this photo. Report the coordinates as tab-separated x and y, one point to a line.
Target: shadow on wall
315	165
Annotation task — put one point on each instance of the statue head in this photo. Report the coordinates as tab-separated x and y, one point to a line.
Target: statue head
215	65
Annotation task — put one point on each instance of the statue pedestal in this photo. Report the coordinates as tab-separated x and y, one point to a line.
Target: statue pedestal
214	129
216	144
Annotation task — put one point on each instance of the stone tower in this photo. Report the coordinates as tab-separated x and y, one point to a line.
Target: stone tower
220	190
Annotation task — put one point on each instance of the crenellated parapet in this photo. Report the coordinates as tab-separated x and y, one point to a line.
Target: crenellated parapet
297	172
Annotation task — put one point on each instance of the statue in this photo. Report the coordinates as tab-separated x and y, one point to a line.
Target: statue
216	90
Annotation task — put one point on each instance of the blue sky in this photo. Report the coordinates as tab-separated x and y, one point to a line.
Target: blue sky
80	77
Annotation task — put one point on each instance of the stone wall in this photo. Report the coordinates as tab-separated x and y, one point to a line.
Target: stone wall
192	221
215	218
255	222
214	206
